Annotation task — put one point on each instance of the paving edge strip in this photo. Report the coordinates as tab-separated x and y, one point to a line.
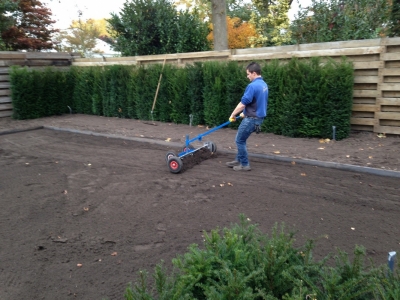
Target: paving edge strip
324	164
20	130
332	165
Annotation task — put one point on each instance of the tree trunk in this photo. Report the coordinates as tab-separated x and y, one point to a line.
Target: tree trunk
220	30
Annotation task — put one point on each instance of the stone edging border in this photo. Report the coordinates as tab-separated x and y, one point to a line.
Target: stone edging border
324	164
20	130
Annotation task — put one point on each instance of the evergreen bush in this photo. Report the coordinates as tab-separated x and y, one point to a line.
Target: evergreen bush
195	84
243	263
67	91
312	93
72	78
52	104
166	93
214	93
133	86
83	90
23	93
99	89
306	97
177	85
275	75
291	102
38	93
338	97
145	93
115	91
236	82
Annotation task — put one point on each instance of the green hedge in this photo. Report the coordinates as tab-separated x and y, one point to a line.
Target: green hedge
242	263
306	97
37	94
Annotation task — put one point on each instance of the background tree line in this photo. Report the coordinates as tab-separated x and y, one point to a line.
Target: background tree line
145	27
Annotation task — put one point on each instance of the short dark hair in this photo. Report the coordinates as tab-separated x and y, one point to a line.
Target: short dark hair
254	67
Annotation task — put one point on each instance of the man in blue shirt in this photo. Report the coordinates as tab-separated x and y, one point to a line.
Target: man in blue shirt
253	106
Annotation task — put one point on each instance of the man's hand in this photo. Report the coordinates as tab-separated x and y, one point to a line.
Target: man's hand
232	119
242	115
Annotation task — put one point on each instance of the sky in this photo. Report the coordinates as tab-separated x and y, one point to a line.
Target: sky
64	11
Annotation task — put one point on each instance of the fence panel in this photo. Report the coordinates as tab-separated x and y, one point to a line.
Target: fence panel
388	88
5	93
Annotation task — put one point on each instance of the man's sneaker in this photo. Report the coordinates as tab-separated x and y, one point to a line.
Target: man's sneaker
232	164
242	168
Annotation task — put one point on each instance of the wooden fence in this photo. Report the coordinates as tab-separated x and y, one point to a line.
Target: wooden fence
376	93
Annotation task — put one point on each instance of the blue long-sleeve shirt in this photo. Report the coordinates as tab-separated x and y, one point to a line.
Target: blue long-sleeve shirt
255	98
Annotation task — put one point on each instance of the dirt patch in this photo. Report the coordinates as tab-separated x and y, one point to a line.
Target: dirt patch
365	149
82	214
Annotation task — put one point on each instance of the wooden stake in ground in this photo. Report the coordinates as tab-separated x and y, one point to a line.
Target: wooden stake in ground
158	87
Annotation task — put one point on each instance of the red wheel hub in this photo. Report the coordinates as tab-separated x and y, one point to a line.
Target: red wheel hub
173	164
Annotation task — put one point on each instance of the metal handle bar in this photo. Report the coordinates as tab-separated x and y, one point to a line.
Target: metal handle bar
200	136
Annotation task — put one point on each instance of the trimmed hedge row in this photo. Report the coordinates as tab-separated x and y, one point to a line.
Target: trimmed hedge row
307	97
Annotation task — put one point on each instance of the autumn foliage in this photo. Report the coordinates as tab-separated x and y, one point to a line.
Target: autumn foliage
240	34
32	29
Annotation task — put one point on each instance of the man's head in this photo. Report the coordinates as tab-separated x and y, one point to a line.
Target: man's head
253	71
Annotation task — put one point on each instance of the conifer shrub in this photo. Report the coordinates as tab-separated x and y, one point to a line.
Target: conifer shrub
216	110
133	86
23	92
243	263
53	102
145	93
194	93
37	93
67	91
313	98
83	90
177	86
337	92
306	97
72	77
274	74
291	102
115	91
236	82
169	98
99	89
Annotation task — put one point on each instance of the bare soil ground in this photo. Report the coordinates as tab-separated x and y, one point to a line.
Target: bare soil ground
81	214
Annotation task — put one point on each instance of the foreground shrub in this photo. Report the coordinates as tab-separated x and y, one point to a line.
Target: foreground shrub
242	263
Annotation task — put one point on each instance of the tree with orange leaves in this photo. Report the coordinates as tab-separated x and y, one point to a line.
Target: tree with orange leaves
240	34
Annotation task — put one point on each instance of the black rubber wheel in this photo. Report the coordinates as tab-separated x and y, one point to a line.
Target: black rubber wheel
187	148
175	164
213	147
169	155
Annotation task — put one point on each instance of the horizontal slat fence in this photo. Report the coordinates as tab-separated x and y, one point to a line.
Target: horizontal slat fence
5	93
376	93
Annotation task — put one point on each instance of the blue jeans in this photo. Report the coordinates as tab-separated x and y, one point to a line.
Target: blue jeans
246	128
